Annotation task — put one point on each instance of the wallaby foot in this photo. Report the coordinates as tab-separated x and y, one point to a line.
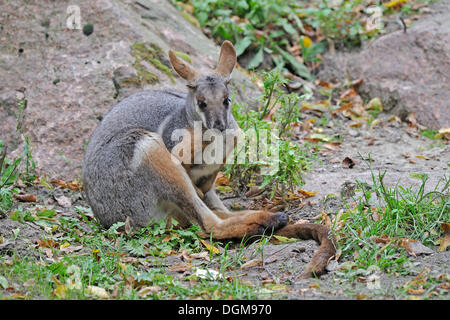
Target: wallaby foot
248	223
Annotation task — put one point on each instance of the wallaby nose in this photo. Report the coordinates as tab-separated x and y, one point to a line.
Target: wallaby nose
219	125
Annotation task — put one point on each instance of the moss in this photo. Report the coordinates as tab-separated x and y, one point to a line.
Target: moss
150	52
88	29
183	56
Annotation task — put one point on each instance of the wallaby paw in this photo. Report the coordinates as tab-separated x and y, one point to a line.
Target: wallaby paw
266	222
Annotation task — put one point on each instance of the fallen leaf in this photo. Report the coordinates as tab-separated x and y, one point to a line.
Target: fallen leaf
210	247
70	249
307	194
180	267
202	255
97	291
355	125
348	163
394	3
208	274
374	123
254	191
326	219
60	291
146	291
250	264
414	247
75	185
25	197
64	202
284	239
416	291
314	286
445	241
222	180
49	243
344	107
4	282
333	146
127	226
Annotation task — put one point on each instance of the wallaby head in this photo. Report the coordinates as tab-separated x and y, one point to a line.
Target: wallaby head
208	100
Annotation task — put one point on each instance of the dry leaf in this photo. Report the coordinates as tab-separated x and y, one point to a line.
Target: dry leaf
414	247
208	274
416	291
222	180
210	247
180	267
25	197
314	286
348	163
97	291
49	243
127	226
202	255
64	202
254	191
326	219
70	249
445	241
146	291
344	107
60	291
307	194
250	264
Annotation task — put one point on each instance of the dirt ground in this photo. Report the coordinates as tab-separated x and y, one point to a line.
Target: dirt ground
393	146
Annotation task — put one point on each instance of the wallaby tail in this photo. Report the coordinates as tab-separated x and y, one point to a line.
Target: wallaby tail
306	231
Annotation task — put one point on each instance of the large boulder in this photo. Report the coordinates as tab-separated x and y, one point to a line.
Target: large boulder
71	78
409	71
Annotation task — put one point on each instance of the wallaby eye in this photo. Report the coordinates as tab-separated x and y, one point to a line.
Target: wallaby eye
227	102
201	104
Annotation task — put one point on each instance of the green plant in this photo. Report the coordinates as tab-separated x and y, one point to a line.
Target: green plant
269	146
8	176
245	23
390	214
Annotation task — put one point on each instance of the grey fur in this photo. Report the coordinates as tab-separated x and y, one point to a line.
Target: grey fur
114	188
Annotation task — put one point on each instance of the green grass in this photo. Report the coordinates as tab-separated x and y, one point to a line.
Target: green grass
397	212
122	263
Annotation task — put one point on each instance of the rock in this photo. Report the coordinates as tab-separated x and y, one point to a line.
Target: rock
409	72
94	72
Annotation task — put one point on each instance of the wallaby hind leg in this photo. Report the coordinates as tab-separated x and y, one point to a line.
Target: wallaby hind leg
175	186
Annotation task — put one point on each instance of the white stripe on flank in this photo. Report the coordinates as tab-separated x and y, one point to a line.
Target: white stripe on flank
143	147
163	124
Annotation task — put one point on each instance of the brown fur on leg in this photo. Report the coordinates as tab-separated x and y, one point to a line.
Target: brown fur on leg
247	223
319	233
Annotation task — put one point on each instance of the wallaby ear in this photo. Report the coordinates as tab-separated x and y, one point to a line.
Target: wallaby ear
227	59
182	68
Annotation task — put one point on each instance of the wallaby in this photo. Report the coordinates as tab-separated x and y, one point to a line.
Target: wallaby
130	172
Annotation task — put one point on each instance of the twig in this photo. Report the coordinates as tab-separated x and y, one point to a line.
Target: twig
402	23
2	158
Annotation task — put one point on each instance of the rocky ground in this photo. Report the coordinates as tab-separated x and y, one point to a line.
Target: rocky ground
394	147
